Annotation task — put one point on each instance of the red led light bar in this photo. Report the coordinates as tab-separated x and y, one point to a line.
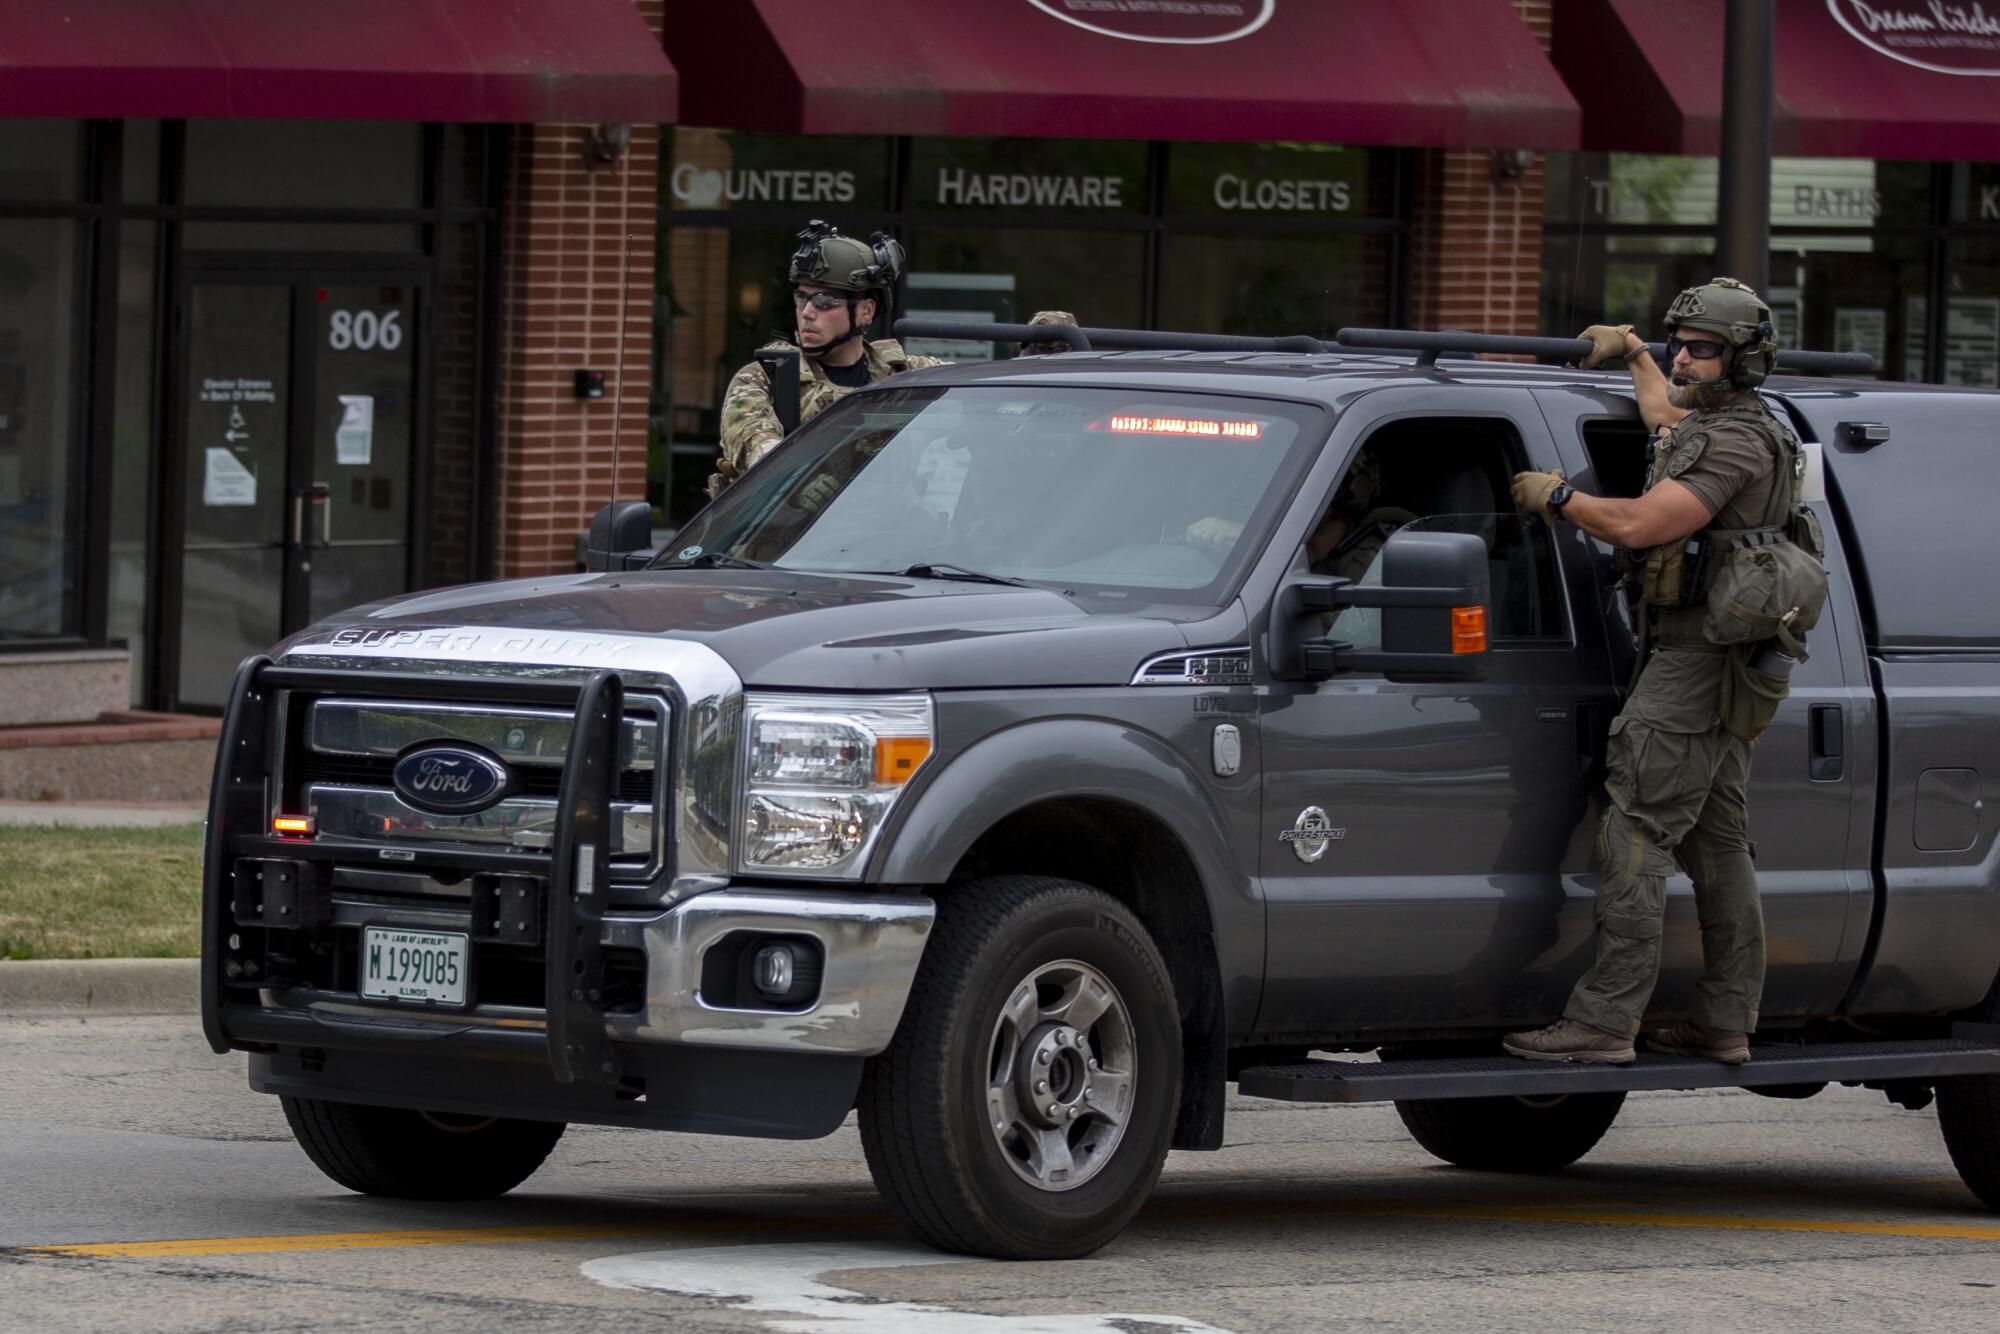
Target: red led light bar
1234	430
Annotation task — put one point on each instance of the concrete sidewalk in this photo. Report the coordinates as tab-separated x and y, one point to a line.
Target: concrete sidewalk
88	988
101	815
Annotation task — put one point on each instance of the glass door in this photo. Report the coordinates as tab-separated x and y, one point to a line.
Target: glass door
298	444
240	518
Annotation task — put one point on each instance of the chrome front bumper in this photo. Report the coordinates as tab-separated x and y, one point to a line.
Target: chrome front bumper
872	944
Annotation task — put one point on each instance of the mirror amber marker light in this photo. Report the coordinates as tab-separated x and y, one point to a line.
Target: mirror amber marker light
1468	629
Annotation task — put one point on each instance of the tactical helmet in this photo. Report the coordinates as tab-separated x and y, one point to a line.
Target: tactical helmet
1736	315
825	258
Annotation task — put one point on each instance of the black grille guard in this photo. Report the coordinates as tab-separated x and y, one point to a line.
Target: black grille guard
577	867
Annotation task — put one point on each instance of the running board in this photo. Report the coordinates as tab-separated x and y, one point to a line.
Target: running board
1919	1060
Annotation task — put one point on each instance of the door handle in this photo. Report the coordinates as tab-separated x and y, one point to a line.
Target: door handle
317	496
1827	727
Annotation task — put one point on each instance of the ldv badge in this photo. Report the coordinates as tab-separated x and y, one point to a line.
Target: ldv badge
1310	834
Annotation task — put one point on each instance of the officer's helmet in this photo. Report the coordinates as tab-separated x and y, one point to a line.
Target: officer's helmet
1736	315
825	258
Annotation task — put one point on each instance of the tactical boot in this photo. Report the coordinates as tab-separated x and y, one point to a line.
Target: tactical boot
1570	1040
1683	1038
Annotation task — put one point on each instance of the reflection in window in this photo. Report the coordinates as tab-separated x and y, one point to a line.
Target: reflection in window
38	551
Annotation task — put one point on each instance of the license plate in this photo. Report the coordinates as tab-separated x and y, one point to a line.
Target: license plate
427	967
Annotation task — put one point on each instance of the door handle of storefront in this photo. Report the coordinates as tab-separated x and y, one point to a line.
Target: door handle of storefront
318	498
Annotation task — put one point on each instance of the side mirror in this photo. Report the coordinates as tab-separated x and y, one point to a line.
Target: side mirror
621	537
1435	598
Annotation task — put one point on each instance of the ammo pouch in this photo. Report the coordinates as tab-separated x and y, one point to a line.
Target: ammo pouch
1765	586
1751	694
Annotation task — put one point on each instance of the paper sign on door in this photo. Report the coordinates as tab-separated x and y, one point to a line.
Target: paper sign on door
354	439
225	481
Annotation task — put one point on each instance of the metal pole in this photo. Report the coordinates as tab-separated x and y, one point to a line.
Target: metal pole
1743	242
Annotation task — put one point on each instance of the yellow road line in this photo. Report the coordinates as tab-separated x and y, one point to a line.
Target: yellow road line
1568	1212
457	1236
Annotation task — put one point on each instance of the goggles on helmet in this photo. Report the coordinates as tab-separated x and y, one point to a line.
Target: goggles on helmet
1698	349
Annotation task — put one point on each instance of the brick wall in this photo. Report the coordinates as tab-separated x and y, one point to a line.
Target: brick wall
578	284
1476	235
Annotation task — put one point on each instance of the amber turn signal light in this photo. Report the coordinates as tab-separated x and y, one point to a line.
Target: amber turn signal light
1468	629
897	757
292	826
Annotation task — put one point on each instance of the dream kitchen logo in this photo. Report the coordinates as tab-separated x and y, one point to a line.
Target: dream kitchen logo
1168	22
1941	36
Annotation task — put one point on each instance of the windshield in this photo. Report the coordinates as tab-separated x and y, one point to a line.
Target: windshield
1147	493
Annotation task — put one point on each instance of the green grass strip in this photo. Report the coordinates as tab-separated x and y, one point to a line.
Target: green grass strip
72	893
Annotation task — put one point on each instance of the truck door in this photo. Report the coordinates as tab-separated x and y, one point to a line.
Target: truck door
1811	779
1450	887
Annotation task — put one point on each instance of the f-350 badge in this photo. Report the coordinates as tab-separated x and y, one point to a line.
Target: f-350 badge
1310	834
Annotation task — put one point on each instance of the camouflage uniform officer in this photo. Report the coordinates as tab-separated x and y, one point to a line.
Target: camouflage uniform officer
839	283
1677	780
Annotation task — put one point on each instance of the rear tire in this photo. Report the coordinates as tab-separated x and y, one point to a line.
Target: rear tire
1968	1110
1034	993
415	1155
1512	1134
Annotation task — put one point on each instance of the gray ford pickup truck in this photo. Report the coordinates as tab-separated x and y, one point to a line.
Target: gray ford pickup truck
995	759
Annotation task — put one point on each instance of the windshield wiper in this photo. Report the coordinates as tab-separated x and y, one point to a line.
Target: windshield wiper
959	574
717	560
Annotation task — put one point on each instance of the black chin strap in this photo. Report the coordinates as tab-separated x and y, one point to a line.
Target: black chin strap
854	330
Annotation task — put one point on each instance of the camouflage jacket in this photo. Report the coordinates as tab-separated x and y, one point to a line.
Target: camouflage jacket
750	427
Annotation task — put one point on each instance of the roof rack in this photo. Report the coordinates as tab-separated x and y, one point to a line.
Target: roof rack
1428	345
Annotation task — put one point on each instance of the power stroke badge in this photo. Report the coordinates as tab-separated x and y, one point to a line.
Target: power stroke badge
1310	834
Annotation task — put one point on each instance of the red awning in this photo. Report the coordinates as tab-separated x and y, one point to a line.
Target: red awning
1884	79
1440	73
458	60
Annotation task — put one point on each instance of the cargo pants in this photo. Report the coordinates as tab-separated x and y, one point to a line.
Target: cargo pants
1679	790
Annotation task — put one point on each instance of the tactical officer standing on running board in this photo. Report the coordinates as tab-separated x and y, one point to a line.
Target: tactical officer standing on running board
1723	563
839	285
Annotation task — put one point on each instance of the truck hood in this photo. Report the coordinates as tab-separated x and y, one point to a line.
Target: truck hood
780	629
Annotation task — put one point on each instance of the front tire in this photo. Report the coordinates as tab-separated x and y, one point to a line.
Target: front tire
1511	1134
1026	1105
1968	1111
415	1155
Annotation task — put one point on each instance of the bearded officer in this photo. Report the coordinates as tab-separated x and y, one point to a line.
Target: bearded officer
1676	778
839	285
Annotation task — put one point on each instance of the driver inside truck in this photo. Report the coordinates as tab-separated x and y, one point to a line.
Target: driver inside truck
1347	538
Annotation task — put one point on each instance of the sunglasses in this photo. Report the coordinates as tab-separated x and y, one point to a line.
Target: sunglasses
818	300
1698	349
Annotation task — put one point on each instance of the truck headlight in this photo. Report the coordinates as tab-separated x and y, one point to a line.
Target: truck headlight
821	775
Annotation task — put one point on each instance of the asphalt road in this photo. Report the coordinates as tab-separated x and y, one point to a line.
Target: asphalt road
142	1186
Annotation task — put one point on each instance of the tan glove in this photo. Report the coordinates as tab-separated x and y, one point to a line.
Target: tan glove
1532	491
1042	349
818	492
1607	344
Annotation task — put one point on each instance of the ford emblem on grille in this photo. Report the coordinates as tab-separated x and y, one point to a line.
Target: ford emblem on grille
450	780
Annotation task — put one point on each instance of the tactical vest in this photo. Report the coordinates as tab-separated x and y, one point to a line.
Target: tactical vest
1753	583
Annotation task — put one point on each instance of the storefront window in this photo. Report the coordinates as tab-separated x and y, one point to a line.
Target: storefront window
1972	313
303	164
38	159
1275	284
1852	294
141	166
1005	274
1643	190
830	175
1324	182
38	549
1975	192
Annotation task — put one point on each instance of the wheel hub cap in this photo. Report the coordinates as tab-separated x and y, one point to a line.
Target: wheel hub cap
1063	1062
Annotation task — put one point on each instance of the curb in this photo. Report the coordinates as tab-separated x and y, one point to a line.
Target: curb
86	988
